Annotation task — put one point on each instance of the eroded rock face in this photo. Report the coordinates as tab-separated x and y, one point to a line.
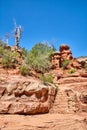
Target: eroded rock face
26	97
56	60
83	97
65	52
71	96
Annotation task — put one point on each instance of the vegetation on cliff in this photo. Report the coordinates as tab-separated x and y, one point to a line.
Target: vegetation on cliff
37	58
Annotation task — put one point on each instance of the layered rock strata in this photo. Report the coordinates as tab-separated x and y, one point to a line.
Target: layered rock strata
72	94
26	97
64	54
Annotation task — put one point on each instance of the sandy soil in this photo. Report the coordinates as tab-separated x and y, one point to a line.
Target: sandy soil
44	122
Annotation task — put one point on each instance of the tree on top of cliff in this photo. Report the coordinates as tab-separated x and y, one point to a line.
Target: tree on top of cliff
38	57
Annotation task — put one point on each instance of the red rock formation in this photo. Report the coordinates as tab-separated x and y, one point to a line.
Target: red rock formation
72	95
65	52
19	95
74	63
56	60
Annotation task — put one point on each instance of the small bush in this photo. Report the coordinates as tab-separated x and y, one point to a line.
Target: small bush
7	64
85	66
71	71
1	43
1	51
56	86
65	63
24	70
38	57
48	78
9	59
24	53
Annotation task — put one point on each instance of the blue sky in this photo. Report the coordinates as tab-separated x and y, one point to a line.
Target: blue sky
53	21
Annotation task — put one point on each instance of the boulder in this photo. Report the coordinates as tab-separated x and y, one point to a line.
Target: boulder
26	97
64	47
65	52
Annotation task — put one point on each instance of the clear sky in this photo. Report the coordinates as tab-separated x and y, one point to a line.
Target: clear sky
55	21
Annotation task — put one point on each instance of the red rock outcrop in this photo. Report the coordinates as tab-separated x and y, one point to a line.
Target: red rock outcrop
27	95
18	95
56	60
72	94
65	54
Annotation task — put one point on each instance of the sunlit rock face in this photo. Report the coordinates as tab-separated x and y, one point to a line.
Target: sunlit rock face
72	94
56	60
26	97
64	54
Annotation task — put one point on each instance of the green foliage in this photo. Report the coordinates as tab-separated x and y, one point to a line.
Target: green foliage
9	59
56	86
71	71
1	49
65	63
53	47
24	52
38	57
85	66
24	70
48	78
1	43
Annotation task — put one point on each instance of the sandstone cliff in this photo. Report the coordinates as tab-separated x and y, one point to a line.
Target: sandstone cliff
21	95
22	98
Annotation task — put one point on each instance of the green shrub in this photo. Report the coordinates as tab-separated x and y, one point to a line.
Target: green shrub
38	57
24	70
1	48
85	66
1	43
65	63
7	64
24	53
47	78
56	86
9	59
1	51
71	71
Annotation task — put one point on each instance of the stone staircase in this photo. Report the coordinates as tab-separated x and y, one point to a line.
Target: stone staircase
60	105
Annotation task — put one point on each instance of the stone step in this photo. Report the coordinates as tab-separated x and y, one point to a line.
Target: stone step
72	80
60	102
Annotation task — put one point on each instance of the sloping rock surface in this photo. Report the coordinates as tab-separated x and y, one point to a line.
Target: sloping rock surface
19	95
72	95
44	122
